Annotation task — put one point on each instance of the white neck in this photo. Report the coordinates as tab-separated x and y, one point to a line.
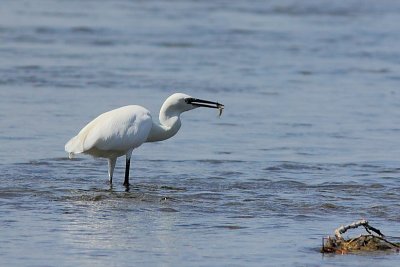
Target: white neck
169	124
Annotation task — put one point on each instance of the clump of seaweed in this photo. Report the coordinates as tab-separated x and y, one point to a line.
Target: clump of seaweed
373	241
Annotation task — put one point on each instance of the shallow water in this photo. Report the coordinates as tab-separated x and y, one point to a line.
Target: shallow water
308	140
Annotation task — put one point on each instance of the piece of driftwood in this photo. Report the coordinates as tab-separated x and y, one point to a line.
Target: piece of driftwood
366	243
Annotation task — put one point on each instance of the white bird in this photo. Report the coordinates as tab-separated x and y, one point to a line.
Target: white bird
118	132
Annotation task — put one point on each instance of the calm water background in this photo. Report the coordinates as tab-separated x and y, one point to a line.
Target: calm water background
309	139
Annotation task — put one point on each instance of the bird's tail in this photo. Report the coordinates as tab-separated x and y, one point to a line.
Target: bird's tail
74	146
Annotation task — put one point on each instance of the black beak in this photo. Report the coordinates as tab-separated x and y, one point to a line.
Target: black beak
204	103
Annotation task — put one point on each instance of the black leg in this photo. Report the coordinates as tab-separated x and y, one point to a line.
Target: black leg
128	164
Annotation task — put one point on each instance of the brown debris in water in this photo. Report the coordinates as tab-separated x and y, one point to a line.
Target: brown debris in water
363	243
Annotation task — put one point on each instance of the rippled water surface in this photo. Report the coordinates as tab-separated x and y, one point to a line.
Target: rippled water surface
309	139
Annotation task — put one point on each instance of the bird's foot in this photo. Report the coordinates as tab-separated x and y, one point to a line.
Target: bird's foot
126	187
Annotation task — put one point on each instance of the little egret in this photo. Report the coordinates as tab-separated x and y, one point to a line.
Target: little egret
118	132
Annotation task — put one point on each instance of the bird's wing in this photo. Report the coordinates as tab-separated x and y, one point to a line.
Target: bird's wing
119	129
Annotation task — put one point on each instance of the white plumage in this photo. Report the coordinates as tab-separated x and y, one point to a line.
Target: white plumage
113	134
118	132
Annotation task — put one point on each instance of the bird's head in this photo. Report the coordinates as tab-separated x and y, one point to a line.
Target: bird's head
183	102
